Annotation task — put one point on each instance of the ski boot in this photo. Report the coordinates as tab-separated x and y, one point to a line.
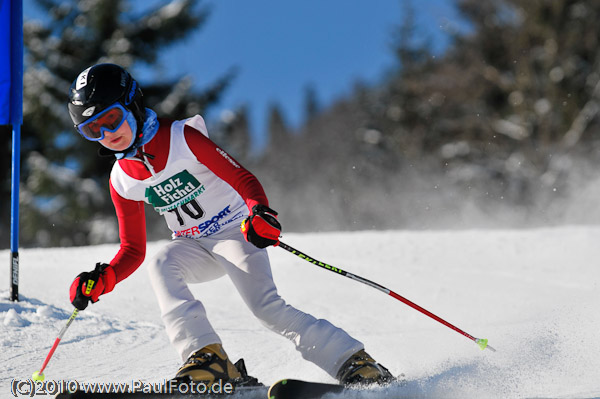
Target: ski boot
210	365
362	369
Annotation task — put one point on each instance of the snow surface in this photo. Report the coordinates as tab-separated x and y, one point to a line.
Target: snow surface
534	294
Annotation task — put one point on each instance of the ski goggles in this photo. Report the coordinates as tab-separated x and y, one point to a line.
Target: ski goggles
109	120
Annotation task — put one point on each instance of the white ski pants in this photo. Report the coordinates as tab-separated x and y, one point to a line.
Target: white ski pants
184	261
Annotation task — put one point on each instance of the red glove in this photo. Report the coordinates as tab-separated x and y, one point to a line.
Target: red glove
261	228
88	286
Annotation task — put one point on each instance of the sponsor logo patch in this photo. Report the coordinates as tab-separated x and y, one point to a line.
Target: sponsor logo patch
210	226
227	157
175	191
131	93
82	79
89	111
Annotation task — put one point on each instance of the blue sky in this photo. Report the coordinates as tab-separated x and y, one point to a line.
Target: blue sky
280	47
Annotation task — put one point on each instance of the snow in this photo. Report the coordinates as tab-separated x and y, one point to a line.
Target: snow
533	293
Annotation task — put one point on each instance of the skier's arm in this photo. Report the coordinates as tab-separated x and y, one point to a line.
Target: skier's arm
88	286
226	168
261	228
132	234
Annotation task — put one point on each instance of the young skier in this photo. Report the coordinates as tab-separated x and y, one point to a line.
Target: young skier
204	194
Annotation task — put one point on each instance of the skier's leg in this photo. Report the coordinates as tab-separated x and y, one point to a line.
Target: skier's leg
180	262
317	340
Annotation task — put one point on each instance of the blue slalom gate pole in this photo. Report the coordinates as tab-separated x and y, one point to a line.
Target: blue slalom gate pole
16	120
14	216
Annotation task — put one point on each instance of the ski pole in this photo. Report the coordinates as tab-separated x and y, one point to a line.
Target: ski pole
483	343
39	375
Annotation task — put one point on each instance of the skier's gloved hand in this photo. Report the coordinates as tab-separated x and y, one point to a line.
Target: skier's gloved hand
261	228
88	286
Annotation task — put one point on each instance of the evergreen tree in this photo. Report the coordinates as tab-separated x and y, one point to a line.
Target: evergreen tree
279	134
311	103
498	123
233	131
78	34
500	110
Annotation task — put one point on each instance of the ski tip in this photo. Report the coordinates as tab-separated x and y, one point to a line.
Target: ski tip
37	376
483	344
271	394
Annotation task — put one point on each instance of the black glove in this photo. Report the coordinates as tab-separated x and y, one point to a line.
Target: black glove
261	228
88	286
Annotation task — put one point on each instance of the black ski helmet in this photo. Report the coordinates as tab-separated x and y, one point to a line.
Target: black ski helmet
101	86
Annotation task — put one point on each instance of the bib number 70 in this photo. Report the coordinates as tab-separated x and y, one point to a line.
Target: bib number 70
192	209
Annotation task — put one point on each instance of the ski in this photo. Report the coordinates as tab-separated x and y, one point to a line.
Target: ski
247	392
298	389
